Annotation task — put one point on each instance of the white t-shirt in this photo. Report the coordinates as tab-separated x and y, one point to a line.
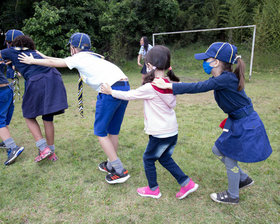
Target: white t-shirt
94	70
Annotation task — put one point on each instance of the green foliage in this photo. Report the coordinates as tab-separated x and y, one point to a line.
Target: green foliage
123	25
267	18
45	29
115	26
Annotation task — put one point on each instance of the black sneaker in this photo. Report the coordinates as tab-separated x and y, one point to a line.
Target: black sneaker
114	178
13	154
103	167
246	183
223	197
2	145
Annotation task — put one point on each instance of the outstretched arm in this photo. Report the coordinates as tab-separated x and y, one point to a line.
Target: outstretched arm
47	61
106	89
139	60
160	83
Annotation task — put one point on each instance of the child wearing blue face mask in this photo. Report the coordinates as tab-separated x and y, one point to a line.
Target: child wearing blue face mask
244	137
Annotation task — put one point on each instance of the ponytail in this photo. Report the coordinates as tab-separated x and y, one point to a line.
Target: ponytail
149	77
172	76
239	72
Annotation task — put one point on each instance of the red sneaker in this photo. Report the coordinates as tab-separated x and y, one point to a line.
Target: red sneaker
43	154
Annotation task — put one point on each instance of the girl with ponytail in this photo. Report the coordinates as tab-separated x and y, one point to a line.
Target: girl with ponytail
160	123
244	137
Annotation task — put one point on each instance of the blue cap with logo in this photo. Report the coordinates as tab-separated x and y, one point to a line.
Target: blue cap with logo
80	40
10	35
222	51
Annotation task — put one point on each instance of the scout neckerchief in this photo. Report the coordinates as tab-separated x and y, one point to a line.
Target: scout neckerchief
15	79
80	88
16	87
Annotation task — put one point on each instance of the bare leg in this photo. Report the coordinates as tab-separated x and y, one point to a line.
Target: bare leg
108	147
115	141
5	133
49	131
34	128
143	77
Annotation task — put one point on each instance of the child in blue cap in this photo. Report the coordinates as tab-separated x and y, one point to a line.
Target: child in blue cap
7	106
244	137
9	38
109	111
44	95
6	113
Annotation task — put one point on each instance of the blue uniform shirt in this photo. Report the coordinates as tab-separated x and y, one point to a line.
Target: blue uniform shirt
3	79
225	87
26	70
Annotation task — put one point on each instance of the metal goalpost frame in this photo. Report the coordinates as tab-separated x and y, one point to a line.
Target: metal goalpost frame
215	29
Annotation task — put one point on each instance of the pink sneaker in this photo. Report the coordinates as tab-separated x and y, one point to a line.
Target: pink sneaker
186	190
43	154
53	157
147	192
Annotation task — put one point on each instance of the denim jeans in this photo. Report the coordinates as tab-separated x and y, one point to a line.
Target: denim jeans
161	149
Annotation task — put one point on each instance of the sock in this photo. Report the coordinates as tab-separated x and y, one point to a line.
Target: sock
154	188
118	166
52	147
185	183
41	144
10	143
109	165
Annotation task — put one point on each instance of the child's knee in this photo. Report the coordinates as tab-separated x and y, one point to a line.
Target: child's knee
217	153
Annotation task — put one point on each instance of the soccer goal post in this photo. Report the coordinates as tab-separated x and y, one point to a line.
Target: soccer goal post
216	29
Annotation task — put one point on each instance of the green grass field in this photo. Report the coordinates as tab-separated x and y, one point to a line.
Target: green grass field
73	190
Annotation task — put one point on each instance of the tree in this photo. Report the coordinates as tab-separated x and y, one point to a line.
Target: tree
45	29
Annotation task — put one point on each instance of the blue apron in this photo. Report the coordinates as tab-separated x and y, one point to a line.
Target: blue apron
244	137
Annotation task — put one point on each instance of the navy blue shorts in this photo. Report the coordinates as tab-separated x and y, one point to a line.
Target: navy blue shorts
6	106
110	111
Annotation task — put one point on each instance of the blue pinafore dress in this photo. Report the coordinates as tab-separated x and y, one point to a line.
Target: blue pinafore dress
44	89
244	136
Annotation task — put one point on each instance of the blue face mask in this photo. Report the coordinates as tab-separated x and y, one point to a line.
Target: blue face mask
206	66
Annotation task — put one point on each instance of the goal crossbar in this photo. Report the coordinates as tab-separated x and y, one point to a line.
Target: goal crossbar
216	29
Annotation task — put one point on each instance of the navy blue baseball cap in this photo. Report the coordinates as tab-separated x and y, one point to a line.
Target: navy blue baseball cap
222	51
10	35
80	40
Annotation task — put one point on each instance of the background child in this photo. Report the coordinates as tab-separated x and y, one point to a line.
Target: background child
244	137
144	49
160	124
109	111
44	95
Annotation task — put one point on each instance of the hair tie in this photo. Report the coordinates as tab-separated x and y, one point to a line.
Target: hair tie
170	68
238	56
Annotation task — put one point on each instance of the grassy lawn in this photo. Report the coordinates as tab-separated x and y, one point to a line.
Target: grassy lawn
73	190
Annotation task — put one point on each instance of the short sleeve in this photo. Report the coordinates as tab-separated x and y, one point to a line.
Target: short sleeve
71	62
141	50
5	54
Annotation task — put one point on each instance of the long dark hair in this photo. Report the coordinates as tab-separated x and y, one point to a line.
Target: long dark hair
146	43
23	41
239	72
159	56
